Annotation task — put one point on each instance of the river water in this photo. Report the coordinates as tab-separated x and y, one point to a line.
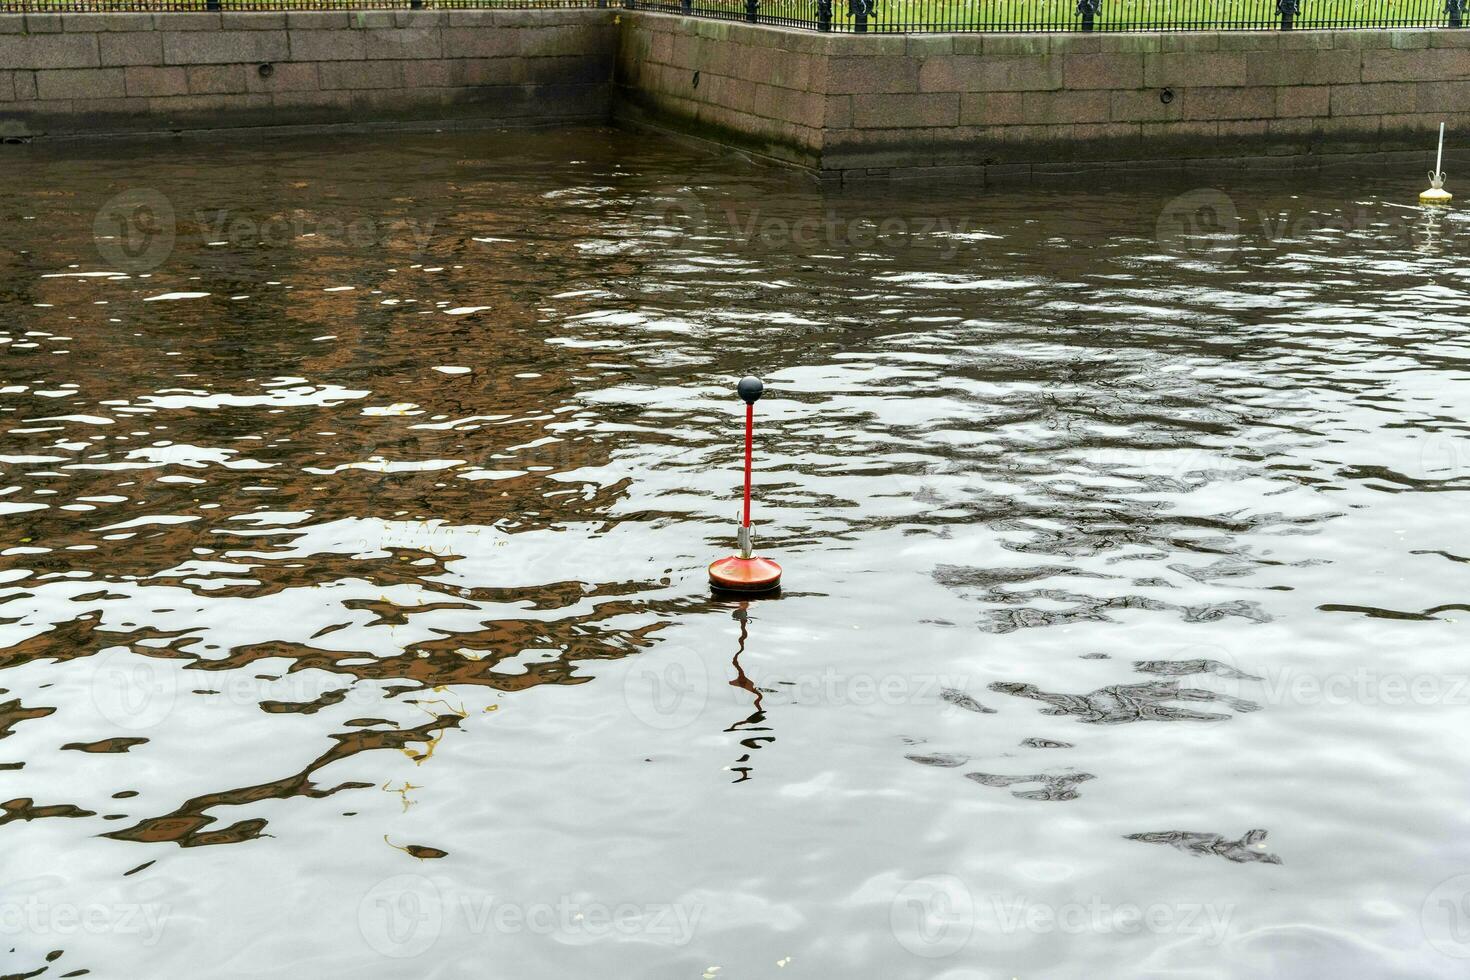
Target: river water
357	495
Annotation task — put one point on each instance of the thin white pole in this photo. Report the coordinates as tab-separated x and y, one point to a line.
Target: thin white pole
1439	157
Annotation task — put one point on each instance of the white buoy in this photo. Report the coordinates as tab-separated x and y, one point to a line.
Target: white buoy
1436	193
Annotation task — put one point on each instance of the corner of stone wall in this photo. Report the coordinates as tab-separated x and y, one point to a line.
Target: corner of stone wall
734	84
878	104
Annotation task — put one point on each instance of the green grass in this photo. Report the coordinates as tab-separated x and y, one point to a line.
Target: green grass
1115	15
909	15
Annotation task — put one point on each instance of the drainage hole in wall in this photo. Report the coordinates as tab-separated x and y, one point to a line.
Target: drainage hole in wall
266	70
1166	96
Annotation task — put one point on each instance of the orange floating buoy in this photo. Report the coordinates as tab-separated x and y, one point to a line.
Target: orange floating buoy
737	574
745	572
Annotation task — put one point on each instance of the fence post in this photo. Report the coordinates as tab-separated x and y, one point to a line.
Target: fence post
1288	9
859	10
752	10
824	14
1089	11
1456	10
211	4
687	6
415	4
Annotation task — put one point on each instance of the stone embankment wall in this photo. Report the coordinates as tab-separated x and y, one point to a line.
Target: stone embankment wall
68	74
870	105
844	105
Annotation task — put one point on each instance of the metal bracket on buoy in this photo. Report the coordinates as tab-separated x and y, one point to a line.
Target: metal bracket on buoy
745	572
1436	193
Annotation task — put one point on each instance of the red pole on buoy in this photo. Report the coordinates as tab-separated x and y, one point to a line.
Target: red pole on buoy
749	438
745	572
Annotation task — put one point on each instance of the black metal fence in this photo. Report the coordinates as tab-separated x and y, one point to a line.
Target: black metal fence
938	16
905	16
